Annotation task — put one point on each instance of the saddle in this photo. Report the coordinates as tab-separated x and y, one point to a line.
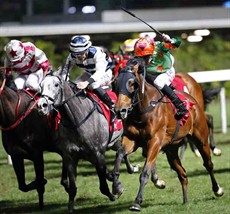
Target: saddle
105	109
179	85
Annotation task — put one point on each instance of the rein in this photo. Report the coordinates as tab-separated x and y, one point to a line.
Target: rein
17	122
152	105
3	85
65	103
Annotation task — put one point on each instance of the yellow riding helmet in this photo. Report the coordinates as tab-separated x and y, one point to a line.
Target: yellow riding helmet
128	45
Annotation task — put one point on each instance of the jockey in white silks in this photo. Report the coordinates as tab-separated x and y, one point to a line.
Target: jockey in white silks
28	62
96	65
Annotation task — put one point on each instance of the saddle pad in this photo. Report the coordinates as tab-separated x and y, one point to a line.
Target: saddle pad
106	111
179	84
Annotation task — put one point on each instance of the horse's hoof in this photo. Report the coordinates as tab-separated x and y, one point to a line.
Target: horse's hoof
118	194
118	190
113	197
136	168
160	184
197	153
71	207
135	207
220	192
216	152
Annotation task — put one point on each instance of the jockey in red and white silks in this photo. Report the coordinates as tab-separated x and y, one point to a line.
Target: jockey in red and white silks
28	62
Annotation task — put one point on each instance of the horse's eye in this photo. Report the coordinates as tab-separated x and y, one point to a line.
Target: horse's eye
56	85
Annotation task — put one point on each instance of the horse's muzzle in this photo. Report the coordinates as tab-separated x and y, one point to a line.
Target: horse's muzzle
123	112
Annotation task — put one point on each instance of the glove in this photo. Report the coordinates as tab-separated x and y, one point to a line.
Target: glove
166	38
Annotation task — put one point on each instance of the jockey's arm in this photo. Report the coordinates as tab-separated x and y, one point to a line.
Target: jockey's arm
100	66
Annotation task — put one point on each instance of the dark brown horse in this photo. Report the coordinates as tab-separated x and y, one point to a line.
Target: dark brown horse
149	123
25	135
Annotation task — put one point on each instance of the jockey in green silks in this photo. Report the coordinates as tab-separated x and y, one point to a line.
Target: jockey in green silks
159	64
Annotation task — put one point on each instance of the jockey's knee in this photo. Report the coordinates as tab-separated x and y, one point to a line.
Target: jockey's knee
33	84
20	83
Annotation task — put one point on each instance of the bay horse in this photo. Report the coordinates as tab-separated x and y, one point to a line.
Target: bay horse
83	130
149	122
25	135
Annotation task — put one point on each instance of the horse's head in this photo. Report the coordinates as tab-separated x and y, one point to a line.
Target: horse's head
51	94
126	87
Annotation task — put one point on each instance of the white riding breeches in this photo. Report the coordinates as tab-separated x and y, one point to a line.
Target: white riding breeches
31	81
165	78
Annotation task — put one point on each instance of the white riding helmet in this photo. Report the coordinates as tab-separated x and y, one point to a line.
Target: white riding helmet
15	50
79	45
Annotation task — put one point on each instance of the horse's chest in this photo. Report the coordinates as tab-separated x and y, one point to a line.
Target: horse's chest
137	132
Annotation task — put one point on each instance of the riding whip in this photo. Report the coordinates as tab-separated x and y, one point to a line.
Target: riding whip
154	29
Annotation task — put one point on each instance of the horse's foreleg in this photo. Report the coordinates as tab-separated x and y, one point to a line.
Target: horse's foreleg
175	164
131	168
71	169
102	171
19	169
152	152
160	184
64	178
117	187
40	180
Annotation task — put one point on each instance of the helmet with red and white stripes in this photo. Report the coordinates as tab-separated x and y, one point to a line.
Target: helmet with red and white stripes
15	50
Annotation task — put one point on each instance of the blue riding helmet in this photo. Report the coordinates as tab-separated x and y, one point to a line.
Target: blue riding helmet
79	45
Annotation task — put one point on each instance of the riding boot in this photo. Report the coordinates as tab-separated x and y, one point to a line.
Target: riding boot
181	109
101	93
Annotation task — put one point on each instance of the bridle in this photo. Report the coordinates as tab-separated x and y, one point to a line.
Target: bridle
64	102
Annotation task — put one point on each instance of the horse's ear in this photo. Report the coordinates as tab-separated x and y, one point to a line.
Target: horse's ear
59	71
50	71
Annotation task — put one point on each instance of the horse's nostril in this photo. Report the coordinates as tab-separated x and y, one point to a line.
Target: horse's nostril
124	110
44	105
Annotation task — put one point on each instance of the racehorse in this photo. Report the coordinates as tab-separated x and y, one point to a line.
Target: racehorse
149	122
22	135
84	132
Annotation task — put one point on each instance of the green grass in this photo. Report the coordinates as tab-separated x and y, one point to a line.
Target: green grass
90	200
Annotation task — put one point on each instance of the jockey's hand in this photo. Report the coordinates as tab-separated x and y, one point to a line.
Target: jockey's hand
166	38
82	85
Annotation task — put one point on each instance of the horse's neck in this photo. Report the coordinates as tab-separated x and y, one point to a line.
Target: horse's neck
150	93
8	108
77	107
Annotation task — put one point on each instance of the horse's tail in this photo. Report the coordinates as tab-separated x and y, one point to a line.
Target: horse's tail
209	94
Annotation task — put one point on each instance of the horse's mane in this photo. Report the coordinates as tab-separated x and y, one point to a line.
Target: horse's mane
9	80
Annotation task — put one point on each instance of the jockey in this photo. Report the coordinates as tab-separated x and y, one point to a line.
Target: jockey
159	62
97	68
29	63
